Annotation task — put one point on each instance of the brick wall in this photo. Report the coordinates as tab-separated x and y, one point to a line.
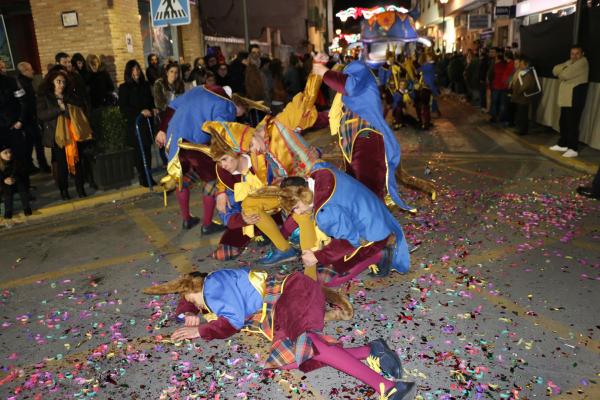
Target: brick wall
191	37
124	18
101	31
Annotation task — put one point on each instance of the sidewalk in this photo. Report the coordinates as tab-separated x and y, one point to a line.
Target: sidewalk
540	138
49	203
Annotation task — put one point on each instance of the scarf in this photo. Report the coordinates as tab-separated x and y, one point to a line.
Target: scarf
70	130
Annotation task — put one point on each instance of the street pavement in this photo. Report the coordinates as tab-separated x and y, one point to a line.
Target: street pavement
501	301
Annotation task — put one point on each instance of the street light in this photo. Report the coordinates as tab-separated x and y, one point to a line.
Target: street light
443	3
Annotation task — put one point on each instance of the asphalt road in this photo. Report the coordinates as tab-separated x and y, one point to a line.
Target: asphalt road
501	301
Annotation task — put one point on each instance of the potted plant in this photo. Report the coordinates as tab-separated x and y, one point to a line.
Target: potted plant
113	166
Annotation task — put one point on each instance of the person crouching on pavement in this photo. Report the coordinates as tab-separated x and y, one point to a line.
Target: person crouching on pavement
12	175
289	310
354	228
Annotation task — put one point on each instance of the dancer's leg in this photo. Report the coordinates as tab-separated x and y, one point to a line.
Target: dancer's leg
342	360
208	209
183	198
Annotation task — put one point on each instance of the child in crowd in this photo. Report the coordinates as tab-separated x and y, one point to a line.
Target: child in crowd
12	175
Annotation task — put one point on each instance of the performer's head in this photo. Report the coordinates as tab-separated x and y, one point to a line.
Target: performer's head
297	199
189	286
224	155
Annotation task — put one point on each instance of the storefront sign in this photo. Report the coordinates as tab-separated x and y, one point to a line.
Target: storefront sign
508	12
5	53
529	7
170	12
479	21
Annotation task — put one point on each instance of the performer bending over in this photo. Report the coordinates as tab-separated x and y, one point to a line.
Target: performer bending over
370	149
355	229
183	123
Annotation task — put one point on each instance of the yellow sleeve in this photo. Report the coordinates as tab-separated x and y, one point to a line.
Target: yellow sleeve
301	111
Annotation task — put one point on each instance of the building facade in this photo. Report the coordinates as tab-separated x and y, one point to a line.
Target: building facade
114	30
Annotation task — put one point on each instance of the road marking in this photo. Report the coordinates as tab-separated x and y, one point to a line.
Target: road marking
107	262
178	260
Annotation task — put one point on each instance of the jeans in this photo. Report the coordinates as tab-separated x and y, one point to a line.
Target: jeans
498	102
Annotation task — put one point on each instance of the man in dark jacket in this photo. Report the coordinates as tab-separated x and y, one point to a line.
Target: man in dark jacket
524	86
30	124
78	84
484	65
153	70
13	114
237	73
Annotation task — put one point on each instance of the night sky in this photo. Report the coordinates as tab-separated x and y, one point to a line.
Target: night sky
352	25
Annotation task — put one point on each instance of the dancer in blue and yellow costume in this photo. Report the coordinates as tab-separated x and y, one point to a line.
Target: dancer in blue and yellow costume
289	311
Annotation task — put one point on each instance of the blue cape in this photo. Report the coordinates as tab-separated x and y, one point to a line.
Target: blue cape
354	213
228	293
192	110
363	98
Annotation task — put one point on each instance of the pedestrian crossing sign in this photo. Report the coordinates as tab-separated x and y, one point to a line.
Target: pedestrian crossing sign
170	12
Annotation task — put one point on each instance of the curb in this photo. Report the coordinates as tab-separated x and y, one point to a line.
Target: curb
81	204
573	163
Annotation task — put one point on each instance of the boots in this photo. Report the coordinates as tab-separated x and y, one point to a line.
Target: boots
64	194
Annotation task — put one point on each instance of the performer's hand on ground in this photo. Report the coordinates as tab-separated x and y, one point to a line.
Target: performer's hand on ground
146	113
185	333
251	219
192	320
308	258
222	202
161	139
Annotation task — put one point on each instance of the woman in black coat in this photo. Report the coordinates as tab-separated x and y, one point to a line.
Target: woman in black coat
100	83
54	97
135	99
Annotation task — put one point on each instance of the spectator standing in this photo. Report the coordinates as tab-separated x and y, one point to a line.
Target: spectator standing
222	75
12	175
292	77
254	79
135	99
211	62
484	64
472	77
153	70
100	83
166	88
499	86
456	69
31	127
508	114
198	73
54	103
77	85
79	66
279	96
572	93
237	72
13	114
524	86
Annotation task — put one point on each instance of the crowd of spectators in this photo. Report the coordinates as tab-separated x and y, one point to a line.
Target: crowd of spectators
39	116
